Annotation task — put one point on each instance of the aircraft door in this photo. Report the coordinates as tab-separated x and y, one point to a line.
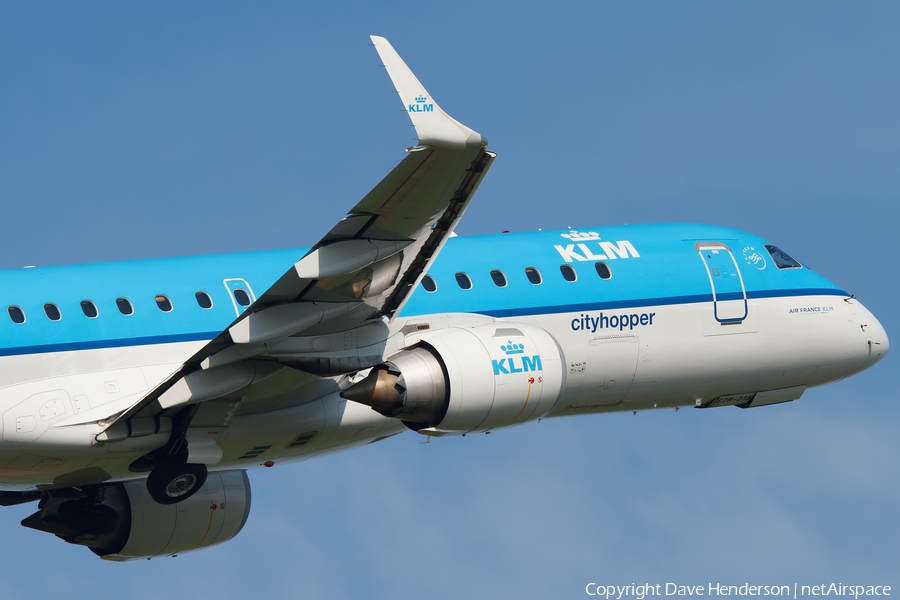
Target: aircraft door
611	365
729	295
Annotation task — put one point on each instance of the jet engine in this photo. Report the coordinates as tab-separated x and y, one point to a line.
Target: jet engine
467	379
120	521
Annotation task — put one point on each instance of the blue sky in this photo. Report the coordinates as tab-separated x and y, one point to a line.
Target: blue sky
161	130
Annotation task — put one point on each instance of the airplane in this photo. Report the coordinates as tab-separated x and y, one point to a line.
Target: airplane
136	395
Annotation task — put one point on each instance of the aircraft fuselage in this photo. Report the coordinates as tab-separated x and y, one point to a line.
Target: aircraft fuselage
673	316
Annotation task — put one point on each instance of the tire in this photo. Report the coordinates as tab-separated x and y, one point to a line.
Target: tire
172	482
82	517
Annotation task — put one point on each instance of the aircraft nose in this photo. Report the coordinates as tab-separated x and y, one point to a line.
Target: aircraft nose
877	340
871	331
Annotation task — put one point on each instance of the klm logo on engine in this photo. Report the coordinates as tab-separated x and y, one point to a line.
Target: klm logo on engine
586	242
420	105
516	361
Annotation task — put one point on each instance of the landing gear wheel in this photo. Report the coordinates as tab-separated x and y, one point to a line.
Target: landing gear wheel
171	482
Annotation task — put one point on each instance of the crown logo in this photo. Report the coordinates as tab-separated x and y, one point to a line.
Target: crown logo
421	98
511	348
581	236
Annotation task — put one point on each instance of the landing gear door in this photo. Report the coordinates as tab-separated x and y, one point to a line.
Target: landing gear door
729	295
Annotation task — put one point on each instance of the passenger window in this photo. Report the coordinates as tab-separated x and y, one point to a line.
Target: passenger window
242	297
52	312
163	302
568	273
429	284
463	280
89	309
16	314
603	270
499	278
781	258
203	300
125	306
534	276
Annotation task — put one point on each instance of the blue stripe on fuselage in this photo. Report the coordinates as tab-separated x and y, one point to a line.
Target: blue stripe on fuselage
120	343
653	302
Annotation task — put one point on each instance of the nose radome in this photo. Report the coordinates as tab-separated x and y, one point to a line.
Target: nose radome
880	342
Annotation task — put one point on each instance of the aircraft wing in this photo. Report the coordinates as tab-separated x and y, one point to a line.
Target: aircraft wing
350	283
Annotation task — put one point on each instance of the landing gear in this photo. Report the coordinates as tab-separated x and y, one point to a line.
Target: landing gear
172	481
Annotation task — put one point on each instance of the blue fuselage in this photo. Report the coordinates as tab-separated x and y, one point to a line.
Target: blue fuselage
667	271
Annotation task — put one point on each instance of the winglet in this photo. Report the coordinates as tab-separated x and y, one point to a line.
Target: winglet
433	126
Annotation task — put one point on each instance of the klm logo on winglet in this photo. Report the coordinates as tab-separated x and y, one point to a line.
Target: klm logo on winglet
420	105
514	363
585	251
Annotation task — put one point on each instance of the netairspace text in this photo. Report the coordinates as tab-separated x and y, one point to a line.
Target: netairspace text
639	592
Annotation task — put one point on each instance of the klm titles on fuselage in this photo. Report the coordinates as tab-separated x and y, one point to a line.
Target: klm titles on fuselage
609	250
420	105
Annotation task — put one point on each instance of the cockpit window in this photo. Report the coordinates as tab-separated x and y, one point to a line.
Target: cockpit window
781	258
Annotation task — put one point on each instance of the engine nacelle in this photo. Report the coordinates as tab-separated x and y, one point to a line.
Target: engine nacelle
466	379
129	524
